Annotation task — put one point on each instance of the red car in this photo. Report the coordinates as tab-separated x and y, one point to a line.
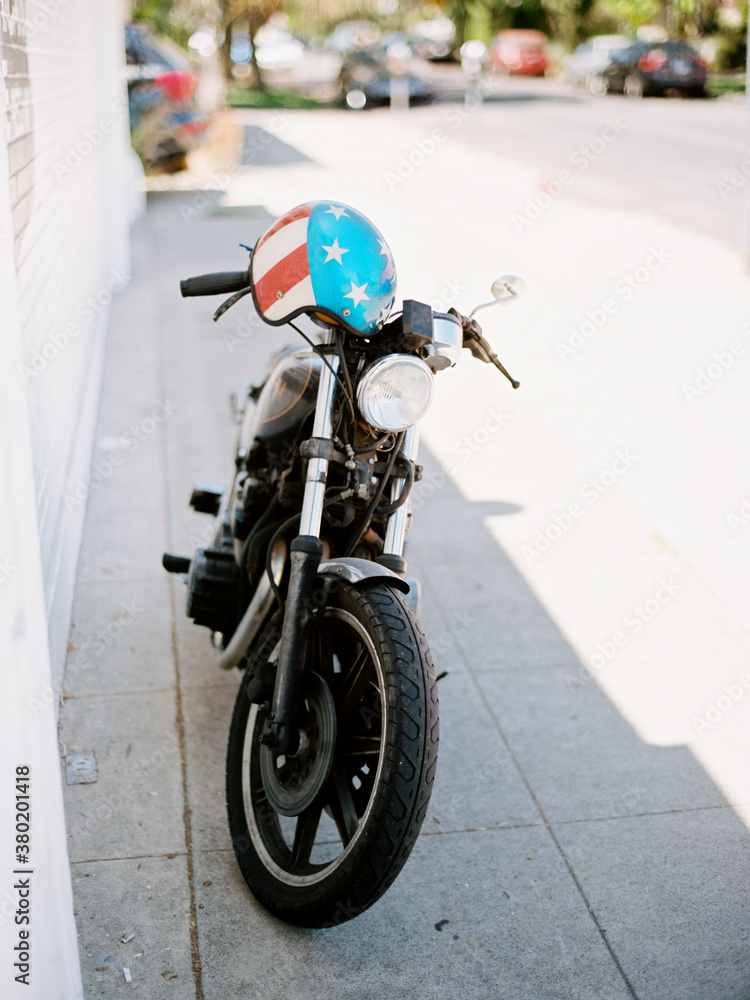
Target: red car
520	52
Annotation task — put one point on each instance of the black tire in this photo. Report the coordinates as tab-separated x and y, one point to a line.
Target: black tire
339	855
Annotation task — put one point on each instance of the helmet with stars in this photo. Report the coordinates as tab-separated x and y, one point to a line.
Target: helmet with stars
327	260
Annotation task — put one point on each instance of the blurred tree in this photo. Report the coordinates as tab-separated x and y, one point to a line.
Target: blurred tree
484	18
176	19
697	17
567	19
253	14
317	18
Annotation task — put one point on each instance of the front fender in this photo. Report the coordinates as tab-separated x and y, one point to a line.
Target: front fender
362	571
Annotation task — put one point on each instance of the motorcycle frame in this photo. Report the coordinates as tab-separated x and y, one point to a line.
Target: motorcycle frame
305	557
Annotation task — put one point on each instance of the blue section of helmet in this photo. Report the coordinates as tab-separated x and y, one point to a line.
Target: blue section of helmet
351	266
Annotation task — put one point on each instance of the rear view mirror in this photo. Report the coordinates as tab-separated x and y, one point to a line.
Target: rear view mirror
508	288
504	291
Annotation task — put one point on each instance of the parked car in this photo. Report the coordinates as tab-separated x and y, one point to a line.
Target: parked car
348	36
164	121
520	52
656	68
276	49
434	39
365	79
586	64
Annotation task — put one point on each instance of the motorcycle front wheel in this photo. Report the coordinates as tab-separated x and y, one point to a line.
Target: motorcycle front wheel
320	836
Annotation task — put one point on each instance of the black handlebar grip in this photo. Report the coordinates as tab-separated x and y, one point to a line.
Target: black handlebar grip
221	283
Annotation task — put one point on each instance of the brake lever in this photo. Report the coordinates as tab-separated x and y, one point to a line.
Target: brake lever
228	303
480	349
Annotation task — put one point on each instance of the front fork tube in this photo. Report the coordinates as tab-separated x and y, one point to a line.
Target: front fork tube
306	552
393	545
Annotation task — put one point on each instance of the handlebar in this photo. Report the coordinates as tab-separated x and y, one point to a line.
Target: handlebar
480	349
219	283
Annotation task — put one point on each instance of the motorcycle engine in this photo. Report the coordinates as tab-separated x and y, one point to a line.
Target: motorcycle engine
213	590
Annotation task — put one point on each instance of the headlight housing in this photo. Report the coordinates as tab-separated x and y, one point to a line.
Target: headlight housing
395	392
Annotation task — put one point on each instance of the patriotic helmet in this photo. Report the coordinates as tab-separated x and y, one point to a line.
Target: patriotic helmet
327	260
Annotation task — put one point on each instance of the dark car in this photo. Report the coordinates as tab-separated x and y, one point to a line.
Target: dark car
164	121
365	79
656	68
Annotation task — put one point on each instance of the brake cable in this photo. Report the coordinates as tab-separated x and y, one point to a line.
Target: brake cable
378	494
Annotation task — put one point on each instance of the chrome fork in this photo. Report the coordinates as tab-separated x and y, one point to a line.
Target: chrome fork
305	554
317	468
393	545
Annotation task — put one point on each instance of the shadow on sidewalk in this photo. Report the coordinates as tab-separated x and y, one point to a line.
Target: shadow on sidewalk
563	857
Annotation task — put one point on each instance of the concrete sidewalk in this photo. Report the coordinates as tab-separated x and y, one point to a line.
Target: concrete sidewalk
586	835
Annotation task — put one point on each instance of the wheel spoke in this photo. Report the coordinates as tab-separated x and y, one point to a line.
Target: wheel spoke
304	835
323	655
354	686
341	804
358	746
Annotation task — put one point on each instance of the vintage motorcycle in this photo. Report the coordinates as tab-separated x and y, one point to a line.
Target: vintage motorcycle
333	742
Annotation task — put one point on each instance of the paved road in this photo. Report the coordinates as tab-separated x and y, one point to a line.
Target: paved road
672	156
675	157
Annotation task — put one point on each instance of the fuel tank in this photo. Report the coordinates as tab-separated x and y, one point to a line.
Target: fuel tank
287	398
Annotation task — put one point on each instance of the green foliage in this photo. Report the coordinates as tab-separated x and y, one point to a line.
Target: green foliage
277	98
731	51
520	14
601	20
176	19
631	14
568	18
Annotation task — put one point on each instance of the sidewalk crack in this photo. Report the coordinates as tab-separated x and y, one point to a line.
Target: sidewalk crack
602	932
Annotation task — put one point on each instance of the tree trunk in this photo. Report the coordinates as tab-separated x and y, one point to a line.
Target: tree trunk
256	78
226	57
664	18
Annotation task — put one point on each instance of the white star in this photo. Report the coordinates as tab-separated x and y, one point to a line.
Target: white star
357	294
337	211
384	251
334	251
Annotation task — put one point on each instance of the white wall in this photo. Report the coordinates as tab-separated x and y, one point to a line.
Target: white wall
67	142
65	175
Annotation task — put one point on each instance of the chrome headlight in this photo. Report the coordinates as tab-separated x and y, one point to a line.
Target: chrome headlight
395	392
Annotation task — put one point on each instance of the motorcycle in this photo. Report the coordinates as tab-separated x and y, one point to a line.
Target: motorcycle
333	741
